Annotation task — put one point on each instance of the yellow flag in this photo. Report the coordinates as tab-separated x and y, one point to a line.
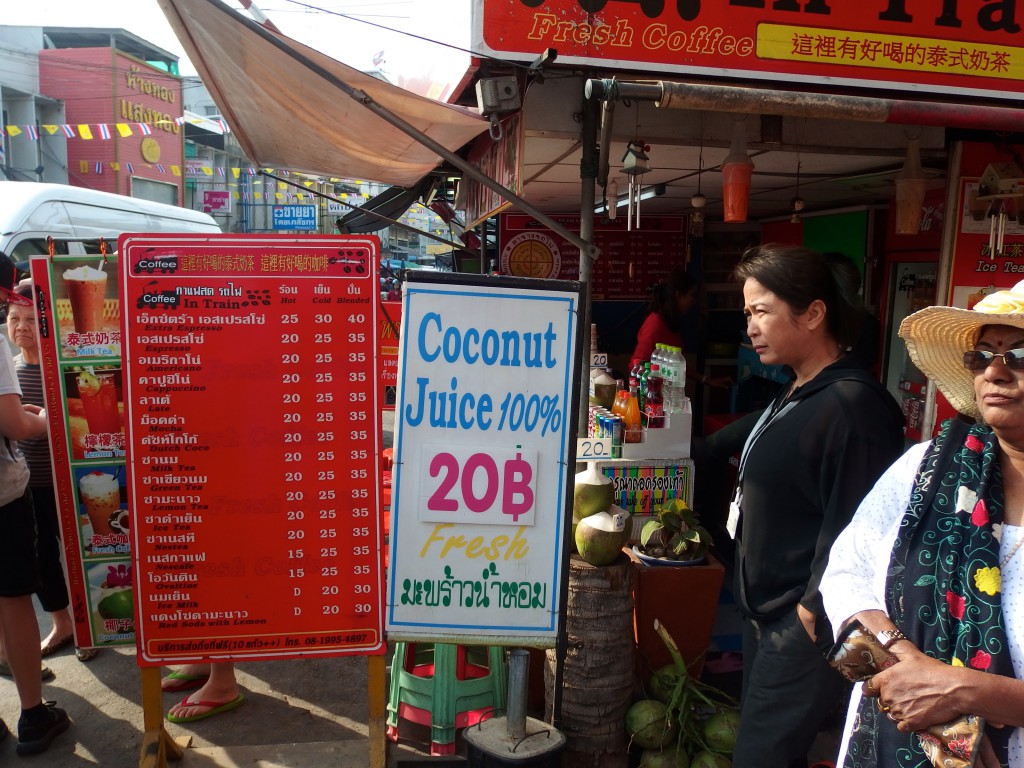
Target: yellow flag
207	170
124	129
115	166
234	172
51	129
83	166
84	132
13	130
176	170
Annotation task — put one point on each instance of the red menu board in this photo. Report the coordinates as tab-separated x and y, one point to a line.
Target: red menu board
252	437
630	262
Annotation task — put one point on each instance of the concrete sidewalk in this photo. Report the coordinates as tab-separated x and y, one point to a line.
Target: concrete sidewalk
298	714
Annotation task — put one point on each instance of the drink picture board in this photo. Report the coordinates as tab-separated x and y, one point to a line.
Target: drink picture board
78	308
253	441
483	458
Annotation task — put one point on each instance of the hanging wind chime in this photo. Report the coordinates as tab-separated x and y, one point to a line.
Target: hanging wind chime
634	165
698	200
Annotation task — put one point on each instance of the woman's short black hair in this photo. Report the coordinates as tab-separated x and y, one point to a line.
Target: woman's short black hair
800	276
663	294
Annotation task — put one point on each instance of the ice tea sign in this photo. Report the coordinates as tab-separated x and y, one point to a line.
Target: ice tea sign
483	457
251	408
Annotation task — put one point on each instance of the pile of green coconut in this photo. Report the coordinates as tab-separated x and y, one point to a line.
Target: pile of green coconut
600	528
685	723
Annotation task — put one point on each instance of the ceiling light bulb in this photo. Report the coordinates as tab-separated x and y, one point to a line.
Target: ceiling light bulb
698	200
795	218
798	204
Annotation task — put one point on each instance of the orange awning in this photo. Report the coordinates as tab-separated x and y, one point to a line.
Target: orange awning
282	103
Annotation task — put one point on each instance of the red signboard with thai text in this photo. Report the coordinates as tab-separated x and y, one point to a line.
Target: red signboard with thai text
253	437
630	263
940	46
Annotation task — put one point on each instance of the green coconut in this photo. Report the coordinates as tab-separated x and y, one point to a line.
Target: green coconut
668	757
600	537
648	724
720	730
705	759
663	683
593	492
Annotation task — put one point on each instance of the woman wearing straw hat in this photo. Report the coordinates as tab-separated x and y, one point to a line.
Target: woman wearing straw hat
931	563
814	454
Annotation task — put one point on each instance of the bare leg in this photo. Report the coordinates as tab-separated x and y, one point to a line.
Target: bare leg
62	626
20	634
199	670
219	689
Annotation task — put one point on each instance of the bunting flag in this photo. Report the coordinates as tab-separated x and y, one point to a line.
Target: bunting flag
124	130
130	167
104	131
115	166
33	132
83	166
144	129
84	132
99	167
174	169
51	129
68	131
13	130
160	168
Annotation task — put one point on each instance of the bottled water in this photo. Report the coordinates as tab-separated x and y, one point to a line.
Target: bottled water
673	370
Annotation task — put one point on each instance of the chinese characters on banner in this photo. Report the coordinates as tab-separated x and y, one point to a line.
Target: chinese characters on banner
252	427
483	457
948	47
78	307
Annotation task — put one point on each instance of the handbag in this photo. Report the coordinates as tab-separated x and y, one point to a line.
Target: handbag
858	655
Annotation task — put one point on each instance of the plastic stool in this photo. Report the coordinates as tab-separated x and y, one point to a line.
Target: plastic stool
445	686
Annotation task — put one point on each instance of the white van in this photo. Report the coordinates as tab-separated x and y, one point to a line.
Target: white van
30	212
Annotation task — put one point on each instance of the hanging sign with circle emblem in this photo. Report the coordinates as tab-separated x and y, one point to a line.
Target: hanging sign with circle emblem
531	254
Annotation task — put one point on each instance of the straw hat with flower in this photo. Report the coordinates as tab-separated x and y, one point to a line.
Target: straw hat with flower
937	338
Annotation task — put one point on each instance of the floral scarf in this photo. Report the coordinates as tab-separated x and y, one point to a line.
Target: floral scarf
943	583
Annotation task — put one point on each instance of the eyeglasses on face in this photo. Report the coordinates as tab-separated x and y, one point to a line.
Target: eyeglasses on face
978	360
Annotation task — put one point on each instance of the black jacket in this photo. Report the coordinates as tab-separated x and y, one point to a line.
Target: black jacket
803	478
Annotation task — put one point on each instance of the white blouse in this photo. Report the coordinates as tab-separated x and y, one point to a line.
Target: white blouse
863	550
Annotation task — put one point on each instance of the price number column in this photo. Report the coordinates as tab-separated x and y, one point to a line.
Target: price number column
332	555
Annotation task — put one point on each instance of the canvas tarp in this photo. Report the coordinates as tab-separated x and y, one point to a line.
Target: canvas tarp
279	100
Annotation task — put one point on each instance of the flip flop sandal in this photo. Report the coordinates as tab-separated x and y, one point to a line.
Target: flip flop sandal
5	670
55	645
215	708
183	682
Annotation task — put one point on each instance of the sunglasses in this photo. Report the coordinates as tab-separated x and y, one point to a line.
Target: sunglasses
978	360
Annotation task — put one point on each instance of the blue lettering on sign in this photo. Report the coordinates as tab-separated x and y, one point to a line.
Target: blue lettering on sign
294	217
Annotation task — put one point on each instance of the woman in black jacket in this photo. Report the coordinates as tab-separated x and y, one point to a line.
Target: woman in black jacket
814	454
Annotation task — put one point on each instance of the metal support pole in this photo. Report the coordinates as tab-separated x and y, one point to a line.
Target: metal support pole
518	682
766	101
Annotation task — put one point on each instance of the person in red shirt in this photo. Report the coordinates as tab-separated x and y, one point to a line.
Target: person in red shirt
671	300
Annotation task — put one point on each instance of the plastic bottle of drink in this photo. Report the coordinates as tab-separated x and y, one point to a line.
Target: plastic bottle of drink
631	431
657	354
654	404
668	379
621	399
674	373
641	392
